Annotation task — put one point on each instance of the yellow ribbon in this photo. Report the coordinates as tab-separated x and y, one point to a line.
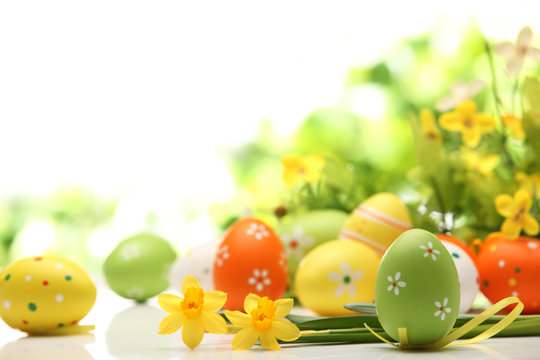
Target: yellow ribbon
465	328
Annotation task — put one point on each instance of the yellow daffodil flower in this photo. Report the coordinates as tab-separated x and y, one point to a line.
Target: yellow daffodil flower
195	312
465	120
263	320
428	126
530	183
483	164
516	212
296	167
460	92
516	53
515	125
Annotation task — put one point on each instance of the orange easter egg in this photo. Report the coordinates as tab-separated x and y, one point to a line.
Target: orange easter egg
250	259
511	268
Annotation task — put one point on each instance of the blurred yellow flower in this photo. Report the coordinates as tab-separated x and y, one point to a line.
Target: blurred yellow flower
296	167
516	53
531	183
483	164
195	312
428	126
515	125
516	212
263	320
465	120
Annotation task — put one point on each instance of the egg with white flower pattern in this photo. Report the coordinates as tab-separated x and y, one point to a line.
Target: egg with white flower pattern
302	233
138	268
417	288
250	259
334	274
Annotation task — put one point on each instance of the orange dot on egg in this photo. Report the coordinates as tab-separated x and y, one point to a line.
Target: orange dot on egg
493	248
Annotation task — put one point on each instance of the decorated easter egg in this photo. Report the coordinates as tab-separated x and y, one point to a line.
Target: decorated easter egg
466	268
250	259
138	268
417	288
511	268
197	261
377	222
40	295
334	274
301	233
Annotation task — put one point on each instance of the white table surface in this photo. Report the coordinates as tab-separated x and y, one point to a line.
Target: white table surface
125	330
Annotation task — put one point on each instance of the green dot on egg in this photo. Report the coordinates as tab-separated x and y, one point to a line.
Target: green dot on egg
347	279
456	255
518	270
8	276
60	324
486	283
32	307
68	277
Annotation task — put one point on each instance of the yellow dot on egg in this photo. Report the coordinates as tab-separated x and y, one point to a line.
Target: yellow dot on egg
512	282
534	304
493	247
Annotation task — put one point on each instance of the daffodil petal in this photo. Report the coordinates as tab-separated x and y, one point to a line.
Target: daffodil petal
291	160
283	307
170	303
504	48
315	161
524	37
486	122
471	137
504	205
192	332
510	229
213	322
189	281
214	300
514	65
467	108
533	53
238	318
250	302
310	176
530	225
290	177
523	199
245	339
451	121
285	330
171	323
268	340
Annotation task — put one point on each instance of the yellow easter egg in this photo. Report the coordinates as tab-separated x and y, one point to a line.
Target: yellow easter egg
45	294
377	222
334	274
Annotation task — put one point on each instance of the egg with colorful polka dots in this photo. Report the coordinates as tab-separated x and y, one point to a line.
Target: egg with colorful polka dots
45	295
336	273
377	221
511	268
250	259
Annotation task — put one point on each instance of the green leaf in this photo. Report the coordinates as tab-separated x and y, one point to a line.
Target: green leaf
531	93
368	308
338	322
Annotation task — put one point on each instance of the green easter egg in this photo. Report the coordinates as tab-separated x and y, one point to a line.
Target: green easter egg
138	268
417	288
302	233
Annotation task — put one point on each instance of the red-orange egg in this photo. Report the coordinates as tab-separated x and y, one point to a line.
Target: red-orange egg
511	268
250	259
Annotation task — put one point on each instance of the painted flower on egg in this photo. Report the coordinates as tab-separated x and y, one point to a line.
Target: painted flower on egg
296	242
345	280
443	309
395	284
430	251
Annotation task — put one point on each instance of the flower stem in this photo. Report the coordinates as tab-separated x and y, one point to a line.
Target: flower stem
498	101
440	200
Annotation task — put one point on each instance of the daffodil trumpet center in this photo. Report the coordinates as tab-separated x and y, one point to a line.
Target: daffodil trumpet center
193	302
263	314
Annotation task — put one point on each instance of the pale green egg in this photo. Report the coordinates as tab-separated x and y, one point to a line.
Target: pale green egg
417	288
138	268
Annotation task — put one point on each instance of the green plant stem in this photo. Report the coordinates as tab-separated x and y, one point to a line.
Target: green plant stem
498	100
440	200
